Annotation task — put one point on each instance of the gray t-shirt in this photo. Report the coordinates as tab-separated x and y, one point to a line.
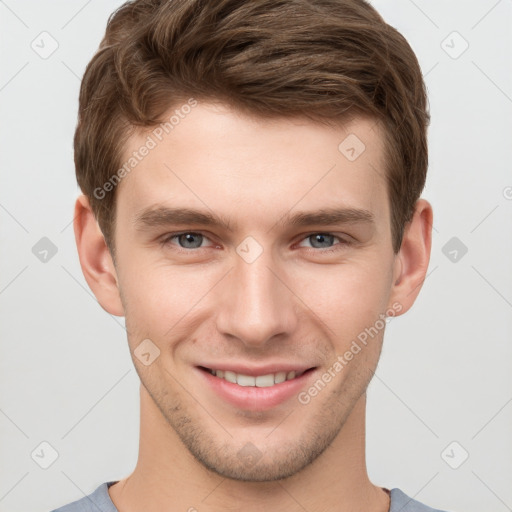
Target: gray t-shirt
99	501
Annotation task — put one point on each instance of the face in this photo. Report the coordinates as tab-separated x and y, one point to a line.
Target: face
260	250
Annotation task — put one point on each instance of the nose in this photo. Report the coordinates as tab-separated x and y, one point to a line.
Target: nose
256	304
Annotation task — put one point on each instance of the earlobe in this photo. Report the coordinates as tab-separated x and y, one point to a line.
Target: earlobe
95	259
412	261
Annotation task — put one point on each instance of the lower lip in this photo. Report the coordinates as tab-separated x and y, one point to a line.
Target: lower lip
253	398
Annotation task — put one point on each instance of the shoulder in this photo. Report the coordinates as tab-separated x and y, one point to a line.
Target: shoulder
98	500
403	503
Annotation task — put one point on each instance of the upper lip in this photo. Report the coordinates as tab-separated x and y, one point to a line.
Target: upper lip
255	371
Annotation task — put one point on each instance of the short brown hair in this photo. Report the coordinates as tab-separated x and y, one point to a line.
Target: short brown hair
326	60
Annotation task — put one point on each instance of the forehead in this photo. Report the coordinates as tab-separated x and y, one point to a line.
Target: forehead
214	158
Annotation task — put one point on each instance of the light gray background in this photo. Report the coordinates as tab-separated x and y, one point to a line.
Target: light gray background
66	374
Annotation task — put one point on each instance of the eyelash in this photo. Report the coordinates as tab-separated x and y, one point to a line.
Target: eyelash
167	241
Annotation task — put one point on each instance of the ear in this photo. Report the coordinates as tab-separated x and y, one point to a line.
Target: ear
411	262
95	259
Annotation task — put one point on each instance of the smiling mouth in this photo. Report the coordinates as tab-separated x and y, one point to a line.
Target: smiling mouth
259	381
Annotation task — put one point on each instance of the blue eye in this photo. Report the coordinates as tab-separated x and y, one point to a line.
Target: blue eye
186	240
321	238
190	240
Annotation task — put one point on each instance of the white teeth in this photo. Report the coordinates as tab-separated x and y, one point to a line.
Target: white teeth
261	381
245	380
265	381
230	376
280	377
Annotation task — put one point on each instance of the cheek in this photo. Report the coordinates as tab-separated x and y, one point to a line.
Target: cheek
165	300
162	299
347	297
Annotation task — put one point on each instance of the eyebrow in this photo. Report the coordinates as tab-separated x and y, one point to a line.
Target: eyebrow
165	216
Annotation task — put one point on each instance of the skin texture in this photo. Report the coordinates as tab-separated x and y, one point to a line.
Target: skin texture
294	303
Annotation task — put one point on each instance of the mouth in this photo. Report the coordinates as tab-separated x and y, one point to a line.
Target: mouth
261	391
260	381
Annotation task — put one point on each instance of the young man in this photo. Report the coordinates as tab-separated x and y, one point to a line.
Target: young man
252	173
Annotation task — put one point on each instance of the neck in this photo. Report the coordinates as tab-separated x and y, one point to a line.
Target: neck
168	477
